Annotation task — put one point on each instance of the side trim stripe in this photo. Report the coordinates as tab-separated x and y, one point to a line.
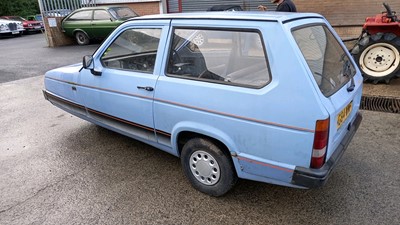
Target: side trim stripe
51	96
196	108
235	116
120	120
265	164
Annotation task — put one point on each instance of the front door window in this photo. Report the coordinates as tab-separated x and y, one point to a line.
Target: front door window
133	50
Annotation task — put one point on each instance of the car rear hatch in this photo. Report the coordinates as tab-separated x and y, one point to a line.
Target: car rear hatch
337	82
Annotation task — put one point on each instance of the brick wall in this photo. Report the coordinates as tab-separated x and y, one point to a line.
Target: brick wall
345	12
346	17
143	8
55	37
146	8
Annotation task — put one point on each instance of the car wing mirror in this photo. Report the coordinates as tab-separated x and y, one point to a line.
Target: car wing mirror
88	63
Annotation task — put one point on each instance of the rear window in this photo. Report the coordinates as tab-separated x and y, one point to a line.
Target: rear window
101	15
327	60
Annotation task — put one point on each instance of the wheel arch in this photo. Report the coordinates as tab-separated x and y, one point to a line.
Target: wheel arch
187	131
184	136
80	30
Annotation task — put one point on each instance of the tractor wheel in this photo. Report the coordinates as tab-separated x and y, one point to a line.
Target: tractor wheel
378	57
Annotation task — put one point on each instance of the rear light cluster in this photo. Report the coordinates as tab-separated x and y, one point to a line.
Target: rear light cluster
320	145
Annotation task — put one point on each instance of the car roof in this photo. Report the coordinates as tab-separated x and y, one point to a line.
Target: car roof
9	21
102	7
11	16
237	15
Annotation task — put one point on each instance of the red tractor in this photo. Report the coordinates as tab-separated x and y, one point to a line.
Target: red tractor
377	52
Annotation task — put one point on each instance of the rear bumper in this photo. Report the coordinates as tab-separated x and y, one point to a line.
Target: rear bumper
312	178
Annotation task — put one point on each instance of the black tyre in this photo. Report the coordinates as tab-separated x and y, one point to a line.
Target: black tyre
18	35
81	38
207	167
378	57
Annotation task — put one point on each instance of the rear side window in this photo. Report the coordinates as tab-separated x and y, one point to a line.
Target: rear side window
222	56
101	15
122	12
82	15
133	50
325	57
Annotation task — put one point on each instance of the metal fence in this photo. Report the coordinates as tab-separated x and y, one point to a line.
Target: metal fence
61	8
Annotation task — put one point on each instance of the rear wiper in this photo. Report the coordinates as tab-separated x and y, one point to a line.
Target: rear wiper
347	72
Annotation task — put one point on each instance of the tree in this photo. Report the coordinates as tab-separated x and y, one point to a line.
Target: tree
19	7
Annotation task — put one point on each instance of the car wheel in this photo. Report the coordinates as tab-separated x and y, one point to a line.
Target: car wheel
81	38
207	167
378	57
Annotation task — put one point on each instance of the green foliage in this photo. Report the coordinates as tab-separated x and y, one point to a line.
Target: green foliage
19	7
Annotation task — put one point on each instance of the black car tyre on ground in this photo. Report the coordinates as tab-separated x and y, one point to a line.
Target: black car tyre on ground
208	168
81	38
378	57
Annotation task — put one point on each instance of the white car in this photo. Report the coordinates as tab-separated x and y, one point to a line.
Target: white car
11	28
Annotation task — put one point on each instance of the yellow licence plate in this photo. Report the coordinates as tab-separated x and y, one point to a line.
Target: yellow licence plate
342	116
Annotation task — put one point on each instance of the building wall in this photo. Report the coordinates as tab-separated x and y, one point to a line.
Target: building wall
145	8
142	8
346	17
346	12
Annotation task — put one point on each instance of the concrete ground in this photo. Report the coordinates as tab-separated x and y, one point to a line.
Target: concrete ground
58	169
385	90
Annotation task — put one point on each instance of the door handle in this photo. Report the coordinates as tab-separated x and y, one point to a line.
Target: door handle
146	88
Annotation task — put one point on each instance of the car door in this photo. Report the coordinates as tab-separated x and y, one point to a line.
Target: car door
80	20
102	24
205	85
118	93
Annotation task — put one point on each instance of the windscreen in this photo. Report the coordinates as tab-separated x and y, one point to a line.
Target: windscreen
327	60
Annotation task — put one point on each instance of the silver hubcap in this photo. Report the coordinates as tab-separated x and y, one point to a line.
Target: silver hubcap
379	59
204	167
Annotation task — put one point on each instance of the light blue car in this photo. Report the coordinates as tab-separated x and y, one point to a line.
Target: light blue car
272	97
